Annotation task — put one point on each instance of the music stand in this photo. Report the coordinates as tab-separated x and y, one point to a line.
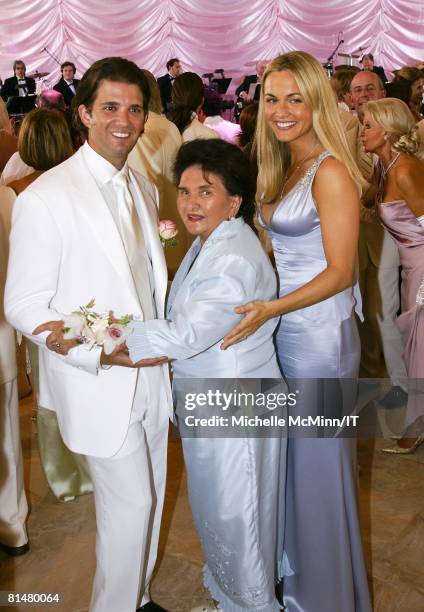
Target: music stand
222	84
20	105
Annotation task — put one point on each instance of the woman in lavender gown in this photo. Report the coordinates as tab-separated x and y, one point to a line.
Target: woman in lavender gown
390	132
309	203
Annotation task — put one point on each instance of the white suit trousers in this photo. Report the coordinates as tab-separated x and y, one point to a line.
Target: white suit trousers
129	491
13	503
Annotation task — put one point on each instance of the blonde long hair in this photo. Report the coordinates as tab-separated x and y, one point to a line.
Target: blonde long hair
315	88
395	117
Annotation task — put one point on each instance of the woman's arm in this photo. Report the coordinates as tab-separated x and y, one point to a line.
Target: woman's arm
337	202
204	318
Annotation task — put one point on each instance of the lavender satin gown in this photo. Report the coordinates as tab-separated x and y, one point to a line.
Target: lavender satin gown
322	538
408	234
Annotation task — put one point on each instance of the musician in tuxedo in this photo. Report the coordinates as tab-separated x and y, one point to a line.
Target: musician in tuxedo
165	82
367	62
243	90
67	85
19	84
88	228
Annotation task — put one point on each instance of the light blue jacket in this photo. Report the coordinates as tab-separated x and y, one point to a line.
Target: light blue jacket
230	270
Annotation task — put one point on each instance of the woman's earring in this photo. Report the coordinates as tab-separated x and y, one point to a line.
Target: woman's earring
386	136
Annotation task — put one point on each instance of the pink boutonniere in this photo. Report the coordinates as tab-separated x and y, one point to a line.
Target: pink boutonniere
167	232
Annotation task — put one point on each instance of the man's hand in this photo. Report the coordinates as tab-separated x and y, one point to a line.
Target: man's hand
245	96
55	341
120	357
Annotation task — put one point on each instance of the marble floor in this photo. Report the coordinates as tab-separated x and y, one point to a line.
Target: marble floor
62	534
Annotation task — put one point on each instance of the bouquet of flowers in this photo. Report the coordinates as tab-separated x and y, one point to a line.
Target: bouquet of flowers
167	232
93	329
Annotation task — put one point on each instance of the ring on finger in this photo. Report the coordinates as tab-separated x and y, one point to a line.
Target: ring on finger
56	345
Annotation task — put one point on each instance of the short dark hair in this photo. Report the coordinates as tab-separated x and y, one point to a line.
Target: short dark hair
227	161
116	69
18	63
367	56
400	88
212	104
409	73
62	66
171	62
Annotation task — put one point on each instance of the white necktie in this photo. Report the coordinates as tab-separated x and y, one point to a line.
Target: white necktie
135	247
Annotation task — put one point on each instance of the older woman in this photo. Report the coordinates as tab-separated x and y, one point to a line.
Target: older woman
187	100
234	483
390	132
310	207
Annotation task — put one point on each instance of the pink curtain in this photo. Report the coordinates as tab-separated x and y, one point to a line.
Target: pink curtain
205	34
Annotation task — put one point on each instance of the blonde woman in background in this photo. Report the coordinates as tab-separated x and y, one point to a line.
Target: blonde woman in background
390	132
44	142
309	203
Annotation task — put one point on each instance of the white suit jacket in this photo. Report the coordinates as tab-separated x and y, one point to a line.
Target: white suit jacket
65	249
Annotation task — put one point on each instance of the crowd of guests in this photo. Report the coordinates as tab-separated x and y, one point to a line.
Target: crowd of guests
333	170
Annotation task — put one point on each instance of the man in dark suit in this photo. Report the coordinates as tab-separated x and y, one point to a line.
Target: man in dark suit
367	62
67	85
174	68
243	91
19	84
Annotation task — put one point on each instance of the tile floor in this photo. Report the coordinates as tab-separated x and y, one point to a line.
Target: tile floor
62	535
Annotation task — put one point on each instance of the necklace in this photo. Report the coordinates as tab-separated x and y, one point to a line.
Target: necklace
297	167
385	171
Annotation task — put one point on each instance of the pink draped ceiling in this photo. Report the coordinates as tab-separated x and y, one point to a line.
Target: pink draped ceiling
205	34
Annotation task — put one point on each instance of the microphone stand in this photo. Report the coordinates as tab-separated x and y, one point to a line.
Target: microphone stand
50	55
330	59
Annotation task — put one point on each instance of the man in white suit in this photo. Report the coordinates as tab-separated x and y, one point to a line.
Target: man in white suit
88	228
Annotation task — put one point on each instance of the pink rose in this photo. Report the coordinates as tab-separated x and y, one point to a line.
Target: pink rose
114	332
115	335
167	229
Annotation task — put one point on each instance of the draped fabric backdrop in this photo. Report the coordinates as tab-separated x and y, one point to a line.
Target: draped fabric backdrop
204	34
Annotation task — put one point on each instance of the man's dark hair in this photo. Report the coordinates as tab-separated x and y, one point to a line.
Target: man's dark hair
171	62
18	63
367	56
399	88
212	104
216	156
62	66
115	69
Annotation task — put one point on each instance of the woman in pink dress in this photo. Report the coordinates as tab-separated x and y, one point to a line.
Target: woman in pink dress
390	132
